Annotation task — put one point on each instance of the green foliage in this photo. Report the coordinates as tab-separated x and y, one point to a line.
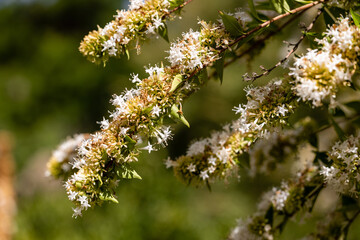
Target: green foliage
178	115
253	11
356	17
281	6
231	25
163	32
219	66
176	82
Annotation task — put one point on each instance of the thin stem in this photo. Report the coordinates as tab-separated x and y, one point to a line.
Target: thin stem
350	221
341	121
263	25
296	46
258	42
178	7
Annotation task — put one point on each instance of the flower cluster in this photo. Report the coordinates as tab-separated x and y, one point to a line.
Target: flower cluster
137	123
267	107
61	163
253	228
267	153
344	173
128	29
319	73
189	53
287	200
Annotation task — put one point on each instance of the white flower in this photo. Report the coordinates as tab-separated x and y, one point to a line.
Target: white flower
78	163
135	78
223	154
123	131
211	169
162	135
197	147
135	4
77	212
156	110
204	174
170	163
72	195
279	198
191	167
212	160
104	124
282	110
239	110
149	148
158	22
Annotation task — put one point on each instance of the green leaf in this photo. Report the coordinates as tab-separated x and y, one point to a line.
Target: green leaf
337	128
355	17
163	32
175	3
253	10
203	75
108	197
231	25
323	157
127	172
354	105
219	66
175	113
130	142
270	215
127	53
280	6
303	1
348	203
175	83
313	140
329	18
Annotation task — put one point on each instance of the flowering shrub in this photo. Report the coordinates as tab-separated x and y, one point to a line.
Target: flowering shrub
262	137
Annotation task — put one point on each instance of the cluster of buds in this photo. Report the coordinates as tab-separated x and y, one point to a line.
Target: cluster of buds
286	200
344	173
267	107
61	163
280	145
137	123
128	29
319	73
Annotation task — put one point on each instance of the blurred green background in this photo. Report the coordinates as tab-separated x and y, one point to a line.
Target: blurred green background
49	91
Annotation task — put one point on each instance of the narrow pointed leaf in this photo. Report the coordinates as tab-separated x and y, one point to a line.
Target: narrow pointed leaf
253	10
219	66
175	113
203	76
280	6
231	25
109	198
338	129
175	83
163	32
355	17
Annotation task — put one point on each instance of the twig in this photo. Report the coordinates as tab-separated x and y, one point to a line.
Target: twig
282	61
350	221
258	42
263	25
178	7
338	122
